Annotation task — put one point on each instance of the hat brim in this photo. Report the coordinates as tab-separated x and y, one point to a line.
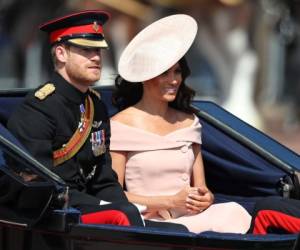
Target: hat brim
88	43
157	48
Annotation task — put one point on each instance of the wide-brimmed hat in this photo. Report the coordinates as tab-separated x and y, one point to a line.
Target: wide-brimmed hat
84	28
157	47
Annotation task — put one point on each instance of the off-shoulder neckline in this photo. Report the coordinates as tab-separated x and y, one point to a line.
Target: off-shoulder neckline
195	121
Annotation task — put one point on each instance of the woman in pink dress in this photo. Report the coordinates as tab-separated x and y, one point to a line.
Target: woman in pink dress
156	138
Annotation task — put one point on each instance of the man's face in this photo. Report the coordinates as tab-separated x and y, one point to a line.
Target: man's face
83	65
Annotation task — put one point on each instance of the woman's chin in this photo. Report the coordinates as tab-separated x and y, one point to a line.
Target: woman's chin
169	98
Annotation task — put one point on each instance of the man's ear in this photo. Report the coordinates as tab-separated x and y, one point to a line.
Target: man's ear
61	53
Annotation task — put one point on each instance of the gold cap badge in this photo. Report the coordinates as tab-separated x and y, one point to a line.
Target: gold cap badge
46	90
95	26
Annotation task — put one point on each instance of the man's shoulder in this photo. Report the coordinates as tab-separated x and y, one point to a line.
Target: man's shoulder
44	95
36	105
99	104
44	91
95	93
44	98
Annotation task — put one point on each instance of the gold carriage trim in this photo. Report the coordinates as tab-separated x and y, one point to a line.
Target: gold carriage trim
79	137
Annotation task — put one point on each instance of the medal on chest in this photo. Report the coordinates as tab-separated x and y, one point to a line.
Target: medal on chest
81	124
98	142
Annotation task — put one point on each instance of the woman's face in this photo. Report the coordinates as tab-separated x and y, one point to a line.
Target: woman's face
165	86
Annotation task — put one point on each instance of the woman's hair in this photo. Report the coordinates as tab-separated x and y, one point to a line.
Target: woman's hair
127	93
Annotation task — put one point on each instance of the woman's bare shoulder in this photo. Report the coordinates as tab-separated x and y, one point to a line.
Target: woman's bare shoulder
125	116
184	117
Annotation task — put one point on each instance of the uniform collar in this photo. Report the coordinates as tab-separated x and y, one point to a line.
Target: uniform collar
68	90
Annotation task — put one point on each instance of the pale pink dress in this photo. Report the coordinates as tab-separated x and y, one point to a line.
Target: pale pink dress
162	165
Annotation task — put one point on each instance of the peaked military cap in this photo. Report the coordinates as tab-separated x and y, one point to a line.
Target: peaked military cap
83	28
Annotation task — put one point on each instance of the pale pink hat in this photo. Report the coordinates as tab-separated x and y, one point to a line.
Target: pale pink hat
157	47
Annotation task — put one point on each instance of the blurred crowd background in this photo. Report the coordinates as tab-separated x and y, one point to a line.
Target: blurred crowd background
246	56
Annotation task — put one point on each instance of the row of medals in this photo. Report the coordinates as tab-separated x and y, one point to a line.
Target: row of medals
97	137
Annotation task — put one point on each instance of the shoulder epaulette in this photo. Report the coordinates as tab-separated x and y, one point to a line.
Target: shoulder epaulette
44	91
96	93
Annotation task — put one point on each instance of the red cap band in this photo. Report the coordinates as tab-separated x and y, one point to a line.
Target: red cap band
94	28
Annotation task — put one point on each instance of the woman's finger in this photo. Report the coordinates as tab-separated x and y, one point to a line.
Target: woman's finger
196	205
200	198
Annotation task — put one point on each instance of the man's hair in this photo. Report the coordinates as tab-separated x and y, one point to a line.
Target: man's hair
53	54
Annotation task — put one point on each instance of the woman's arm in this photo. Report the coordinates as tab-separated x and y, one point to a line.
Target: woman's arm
203	198
177	200
198	176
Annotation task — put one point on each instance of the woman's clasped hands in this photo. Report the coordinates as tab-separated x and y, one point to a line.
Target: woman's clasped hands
192	199
199	199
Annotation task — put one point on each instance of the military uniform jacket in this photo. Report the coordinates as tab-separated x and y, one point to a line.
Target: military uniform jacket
44	126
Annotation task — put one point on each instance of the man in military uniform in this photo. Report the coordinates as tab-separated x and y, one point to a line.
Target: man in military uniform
65	125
